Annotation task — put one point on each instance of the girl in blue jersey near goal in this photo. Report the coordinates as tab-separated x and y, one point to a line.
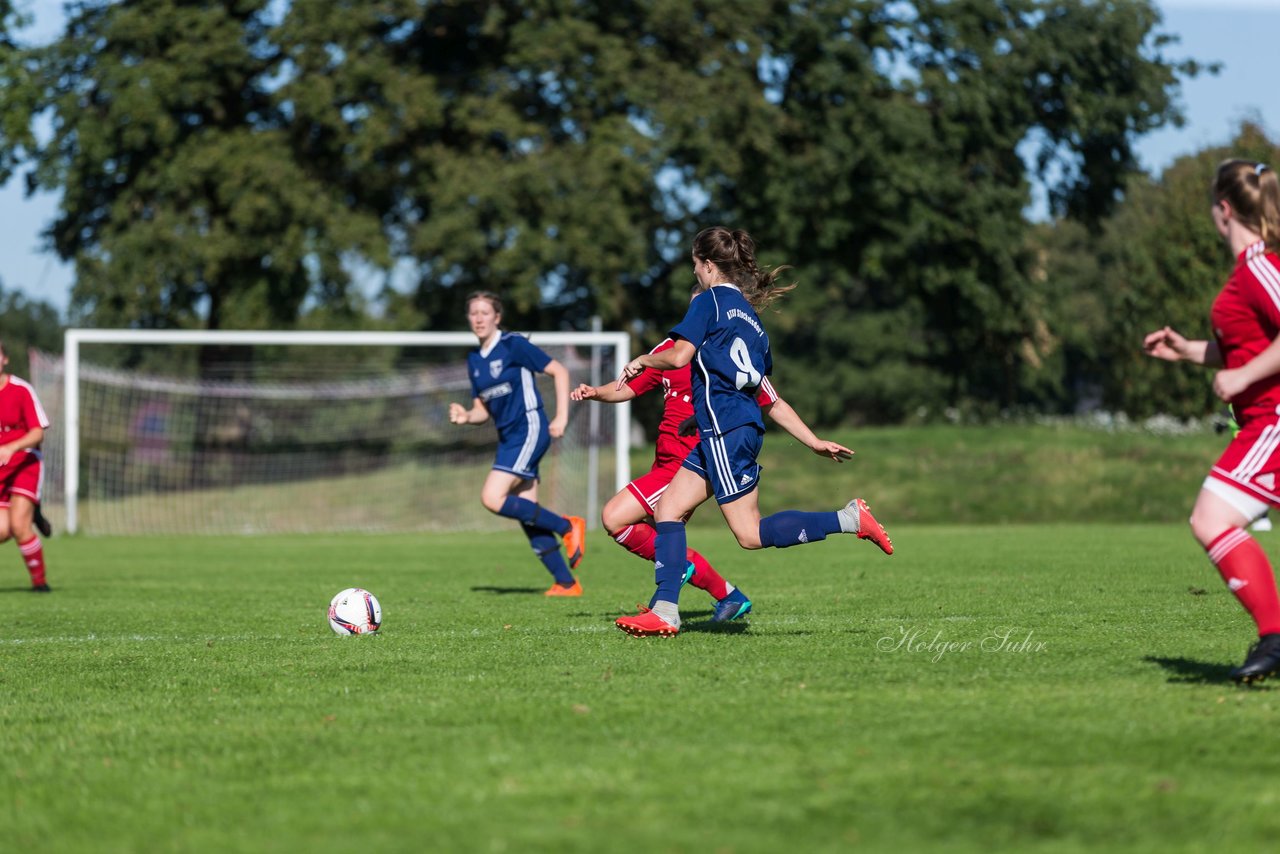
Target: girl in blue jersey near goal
503	388
721	335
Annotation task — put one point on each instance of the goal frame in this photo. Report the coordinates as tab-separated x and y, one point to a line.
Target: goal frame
73	338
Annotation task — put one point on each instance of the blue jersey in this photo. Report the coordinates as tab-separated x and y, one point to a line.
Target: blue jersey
502	377
732	360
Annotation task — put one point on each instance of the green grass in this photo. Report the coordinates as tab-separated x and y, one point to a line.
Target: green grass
186	694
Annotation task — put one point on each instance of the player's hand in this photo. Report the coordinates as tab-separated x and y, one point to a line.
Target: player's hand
688	427
6	454
1227	384
1165	344
834	450
458	413
583	392
556	427
630	372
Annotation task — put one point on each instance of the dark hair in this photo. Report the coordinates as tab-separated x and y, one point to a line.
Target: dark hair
734	254
493	299
1253	192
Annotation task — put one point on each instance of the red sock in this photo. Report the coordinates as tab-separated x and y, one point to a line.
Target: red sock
33	555
1244	566
706	578
637	539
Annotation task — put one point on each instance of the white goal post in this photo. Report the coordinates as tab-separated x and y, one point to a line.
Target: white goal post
618	342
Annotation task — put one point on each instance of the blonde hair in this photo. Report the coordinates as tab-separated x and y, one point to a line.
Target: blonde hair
734	254
1253	191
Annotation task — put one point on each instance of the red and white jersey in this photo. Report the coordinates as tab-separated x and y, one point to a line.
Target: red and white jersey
677	394
20	409
1246	319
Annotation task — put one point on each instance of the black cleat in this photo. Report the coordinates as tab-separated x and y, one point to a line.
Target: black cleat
1262	661
42	524
41	588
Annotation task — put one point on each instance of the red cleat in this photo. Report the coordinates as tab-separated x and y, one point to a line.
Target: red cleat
870	529
575	541
646	624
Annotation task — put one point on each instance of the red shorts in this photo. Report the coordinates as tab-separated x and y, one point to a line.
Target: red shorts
1251	463
22	475
667	457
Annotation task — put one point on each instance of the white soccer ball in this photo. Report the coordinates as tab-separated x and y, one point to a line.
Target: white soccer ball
355	611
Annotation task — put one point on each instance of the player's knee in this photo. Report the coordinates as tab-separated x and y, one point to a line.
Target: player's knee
492	503
749	540
1205	526
614	518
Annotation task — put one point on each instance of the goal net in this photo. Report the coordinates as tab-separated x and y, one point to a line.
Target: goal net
299	432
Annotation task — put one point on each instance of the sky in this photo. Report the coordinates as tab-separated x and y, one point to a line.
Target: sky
1241	34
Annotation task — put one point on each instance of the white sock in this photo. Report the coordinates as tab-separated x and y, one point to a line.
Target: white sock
668	611
848	516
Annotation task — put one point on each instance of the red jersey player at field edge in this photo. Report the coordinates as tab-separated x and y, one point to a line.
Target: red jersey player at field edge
1246	346
628	516
22	425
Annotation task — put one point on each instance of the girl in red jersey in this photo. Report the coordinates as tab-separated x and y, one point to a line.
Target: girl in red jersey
1246	347
22	424
628	516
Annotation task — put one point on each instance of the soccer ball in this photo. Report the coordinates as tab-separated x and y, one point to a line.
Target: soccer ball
355	611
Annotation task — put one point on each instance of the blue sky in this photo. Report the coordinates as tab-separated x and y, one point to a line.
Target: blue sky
1241	34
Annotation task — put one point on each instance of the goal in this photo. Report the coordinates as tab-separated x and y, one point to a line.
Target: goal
300	432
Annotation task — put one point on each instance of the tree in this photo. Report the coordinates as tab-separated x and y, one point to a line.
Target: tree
183	203
26	323
228	167
1156	261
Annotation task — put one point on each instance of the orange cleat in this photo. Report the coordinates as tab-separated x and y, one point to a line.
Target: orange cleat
870	529
558	590
575	541
646	624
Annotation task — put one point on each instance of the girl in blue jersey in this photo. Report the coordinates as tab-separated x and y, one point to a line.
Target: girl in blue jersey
503	388
722	336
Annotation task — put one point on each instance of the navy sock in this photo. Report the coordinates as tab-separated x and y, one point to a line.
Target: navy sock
793	527
547	548
529	513
670	548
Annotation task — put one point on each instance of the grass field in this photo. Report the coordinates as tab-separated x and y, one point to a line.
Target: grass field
186	694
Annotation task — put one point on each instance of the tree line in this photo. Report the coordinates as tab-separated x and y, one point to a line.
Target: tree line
333	164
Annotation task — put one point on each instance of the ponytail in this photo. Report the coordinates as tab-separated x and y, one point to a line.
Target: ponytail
1253	191
734	254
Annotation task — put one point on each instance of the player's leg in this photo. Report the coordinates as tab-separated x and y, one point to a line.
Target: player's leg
686	491
628	518
519	456
1219	522
545	545
20	520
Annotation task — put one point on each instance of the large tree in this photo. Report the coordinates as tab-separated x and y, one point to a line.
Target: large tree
221	166
1158	260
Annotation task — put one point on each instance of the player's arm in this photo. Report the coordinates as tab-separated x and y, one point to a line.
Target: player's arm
560	374
477	414
31	439
788	419
1232	381
676	356
603	393
1170	345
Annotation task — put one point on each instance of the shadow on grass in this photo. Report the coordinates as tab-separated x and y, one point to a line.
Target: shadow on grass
26	589
503	591
1187	671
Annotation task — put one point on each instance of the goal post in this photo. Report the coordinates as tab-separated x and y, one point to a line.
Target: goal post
604	347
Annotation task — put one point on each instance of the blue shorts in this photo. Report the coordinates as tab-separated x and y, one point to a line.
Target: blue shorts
728	462
520	451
